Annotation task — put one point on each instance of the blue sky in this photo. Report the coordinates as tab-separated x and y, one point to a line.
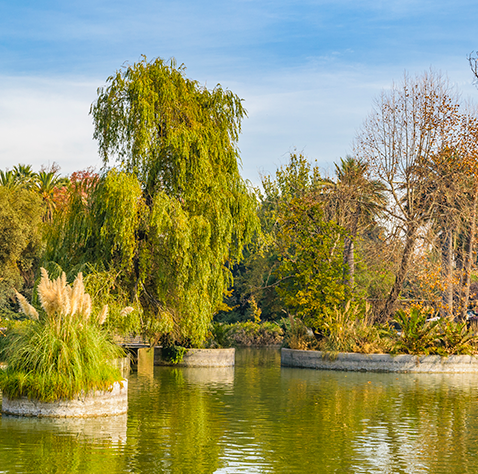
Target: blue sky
308	71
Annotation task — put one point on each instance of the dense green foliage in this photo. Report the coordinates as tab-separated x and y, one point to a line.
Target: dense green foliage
301	261
246	333
175	216
311	263
413	331
47	364
20	241
420	333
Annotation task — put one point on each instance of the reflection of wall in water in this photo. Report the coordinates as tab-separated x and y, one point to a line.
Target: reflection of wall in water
208	375
145	362
109	429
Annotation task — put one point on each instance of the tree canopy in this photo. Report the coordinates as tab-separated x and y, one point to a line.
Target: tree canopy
20	239
175	214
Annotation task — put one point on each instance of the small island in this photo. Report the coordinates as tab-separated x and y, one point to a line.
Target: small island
61	364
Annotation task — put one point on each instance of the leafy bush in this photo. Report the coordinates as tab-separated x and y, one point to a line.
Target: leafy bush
248	333
174	354
219	335
351	329
456	338
423	334
298	335
418	334
64	350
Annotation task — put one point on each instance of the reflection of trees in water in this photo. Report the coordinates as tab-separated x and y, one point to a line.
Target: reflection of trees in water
334	421
262	418
419	424
57	446
185	433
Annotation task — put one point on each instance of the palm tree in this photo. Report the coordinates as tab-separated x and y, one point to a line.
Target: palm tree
354	201
8	179
46	183
24	175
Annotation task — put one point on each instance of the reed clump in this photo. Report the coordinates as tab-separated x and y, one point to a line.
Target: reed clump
64	351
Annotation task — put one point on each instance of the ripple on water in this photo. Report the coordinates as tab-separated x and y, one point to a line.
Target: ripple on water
260	418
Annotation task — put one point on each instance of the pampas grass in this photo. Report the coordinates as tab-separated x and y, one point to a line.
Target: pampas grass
26	307
103	315
58	299
64	351
125	311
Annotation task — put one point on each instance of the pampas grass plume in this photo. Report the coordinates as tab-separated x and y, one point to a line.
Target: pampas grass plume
77	294
57	297
103	315
26	307
125	311
86	306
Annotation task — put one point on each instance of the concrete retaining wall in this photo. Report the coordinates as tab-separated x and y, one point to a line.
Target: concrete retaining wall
379	362
99	403
200	358
124	364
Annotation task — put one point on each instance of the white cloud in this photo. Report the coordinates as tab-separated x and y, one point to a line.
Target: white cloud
44	121
316	109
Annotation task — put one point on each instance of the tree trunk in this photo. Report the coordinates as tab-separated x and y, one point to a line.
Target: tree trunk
447	273
349	263
391	302
349	256
469	257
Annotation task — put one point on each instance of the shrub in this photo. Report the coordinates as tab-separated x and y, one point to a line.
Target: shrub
174	354
248	333
456	338
298	335
419	334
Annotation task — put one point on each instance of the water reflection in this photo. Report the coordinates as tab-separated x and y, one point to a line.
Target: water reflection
258	417
40	445
145	362
209	377
111	430
382	423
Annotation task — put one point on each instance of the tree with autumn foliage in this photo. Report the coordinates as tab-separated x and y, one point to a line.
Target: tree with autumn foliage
412	128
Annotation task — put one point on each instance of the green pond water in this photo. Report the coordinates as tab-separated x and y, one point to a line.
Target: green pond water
261	418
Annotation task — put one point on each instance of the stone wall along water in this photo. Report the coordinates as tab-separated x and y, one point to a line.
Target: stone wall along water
379	362
99	403
200	358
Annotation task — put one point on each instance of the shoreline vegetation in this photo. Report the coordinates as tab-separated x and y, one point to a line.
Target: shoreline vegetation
186	254
416	331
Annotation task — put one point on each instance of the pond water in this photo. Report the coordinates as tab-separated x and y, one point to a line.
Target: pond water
261	418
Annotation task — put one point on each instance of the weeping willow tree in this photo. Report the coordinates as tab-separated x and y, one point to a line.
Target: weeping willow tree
175	214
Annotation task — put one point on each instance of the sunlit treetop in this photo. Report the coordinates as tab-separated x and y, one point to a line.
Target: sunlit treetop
175	134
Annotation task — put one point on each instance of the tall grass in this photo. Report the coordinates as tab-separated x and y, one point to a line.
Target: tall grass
64	351
351	329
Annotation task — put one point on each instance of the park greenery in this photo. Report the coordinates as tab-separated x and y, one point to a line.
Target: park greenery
378	257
